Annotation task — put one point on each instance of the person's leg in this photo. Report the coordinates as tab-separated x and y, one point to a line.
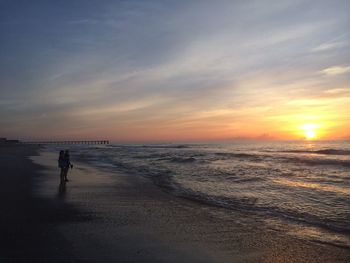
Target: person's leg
62	174
66	173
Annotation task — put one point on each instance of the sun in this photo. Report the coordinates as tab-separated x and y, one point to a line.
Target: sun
309	131
310	134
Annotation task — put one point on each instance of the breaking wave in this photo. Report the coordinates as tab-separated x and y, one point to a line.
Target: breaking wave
325	151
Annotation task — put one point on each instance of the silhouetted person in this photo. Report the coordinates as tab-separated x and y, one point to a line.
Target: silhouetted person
61	164
67	165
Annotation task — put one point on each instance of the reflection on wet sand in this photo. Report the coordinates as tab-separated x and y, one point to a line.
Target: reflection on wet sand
62	189
315	186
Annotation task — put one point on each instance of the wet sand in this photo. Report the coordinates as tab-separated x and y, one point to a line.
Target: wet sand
99	216
27	222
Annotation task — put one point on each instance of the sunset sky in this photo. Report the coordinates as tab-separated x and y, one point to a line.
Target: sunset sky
175	70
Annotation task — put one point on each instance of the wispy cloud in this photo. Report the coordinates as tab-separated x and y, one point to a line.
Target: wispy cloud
336	70
328	46
338	91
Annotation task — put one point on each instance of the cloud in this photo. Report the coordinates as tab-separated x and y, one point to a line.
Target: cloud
337	91
328	46
336	70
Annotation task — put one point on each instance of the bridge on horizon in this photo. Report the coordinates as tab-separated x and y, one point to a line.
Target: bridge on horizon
68	142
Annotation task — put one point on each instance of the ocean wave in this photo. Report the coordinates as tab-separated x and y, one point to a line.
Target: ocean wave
180	146
237	155
183	160
179	159
292	159
250	205
318	161
150	146
324	151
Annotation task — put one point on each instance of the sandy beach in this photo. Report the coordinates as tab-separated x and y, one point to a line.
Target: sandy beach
99	216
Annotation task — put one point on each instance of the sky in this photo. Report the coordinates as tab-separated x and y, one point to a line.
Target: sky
161	70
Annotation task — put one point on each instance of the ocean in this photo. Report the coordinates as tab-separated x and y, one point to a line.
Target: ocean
299	187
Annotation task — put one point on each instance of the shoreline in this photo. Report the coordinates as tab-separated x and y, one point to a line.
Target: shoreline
115	217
